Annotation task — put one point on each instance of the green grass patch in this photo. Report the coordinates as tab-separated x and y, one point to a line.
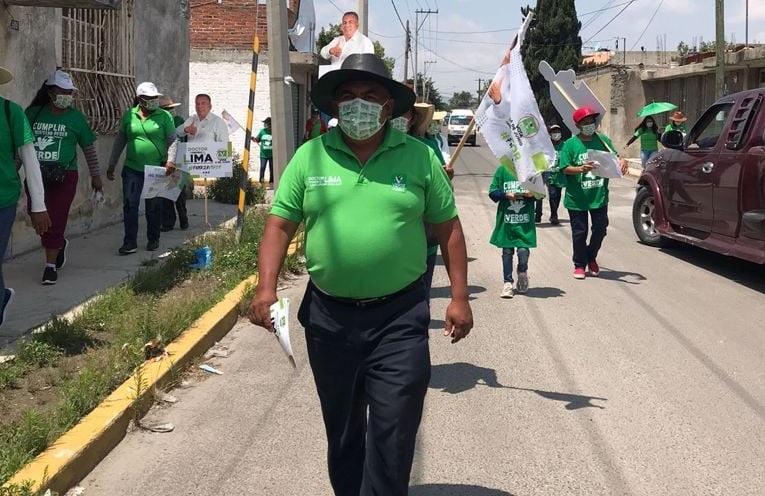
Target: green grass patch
87	357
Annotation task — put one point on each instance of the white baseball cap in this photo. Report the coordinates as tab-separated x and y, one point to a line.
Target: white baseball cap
61	79
147	89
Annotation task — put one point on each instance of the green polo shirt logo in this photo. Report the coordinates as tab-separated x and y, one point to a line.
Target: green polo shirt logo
318	181
399	183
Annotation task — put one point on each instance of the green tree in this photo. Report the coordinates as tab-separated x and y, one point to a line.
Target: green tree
430	93
553	36
329	33
462	100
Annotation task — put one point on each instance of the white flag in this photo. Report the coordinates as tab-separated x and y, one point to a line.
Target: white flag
231	123
509	120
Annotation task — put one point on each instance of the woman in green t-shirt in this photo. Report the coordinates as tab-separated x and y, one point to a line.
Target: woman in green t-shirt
649	135
265	142
58	130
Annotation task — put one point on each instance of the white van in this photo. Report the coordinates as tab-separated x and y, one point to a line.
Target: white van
457	124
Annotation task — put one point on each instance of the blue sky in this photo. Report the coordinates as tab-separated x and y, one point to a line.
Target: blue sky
465	51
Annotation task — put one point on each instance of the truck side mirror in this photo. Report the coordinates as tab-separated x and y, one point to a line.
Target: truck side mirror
673	140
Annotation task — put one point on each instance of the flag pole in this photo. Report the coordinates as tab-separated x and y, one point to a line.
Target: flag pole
456	153
247	138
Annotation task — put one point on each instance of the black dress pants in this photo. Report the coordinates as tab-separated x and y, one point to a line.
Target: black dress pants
585	252
371	365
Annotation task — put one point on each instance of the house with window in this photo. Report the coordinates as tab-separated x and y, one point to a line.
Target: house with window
109	46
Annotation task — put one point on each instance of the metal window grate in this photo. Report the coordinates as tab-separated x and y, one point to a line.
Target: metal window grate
97	49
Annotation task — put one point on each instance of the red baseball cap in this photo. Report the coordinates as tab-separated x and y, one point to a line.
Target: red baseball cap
583	113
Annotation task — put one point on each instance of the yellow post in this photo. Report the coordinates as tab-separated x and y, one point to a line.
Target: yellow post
248	137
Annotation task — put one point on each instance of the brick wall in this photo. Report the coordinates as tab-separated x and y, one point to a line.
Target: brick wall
230	24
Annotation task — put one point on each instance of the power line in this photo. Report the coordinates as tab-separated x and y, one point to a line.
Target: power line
397	14
610	21
456	64
647	25
603	9
598	14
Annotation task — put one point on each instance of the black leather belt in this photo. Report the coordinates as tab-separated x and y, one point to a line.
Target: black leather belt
367	302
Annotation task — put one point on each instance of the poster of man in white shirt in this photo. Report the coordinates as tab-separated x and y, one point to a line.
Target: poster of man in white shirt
351	41
204	126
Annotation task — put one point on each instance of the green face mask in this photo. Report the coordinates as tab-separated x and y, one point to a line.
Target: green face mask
400	123
62	101
360	119
151	104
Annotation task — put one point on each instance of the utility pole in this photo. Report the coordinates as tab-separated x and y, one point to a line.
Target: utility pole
746	25
417	27
363	16
282	127
480	93
407	49
720	70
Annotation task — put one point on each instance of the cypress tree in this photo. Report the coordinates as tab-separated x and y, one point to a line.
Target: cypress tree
553	36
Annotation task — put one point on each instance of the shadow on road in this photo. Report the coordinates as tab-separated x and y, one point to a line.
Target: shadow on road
573	401
620	276
446	292
455	378
534	292
747	274
454	490
547	225
437	324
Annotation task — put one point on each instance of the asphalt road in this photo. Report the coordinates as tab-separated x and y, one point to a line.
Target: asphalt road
649	380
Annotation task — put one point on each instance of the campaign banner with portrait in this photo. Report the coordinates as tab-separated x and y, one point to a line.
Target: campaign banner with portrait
509	119
206	159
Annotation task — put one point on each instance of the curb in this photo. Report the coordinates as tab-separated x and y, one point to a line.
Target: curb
78	451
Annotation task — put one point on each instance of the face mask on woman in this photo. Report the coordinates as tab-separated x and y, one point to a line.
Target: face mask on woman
151	104
61	101
649	124
359	118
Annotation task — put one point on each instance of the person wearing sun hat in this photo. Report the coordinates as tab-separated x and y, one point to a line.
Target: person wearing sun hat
364	192
148	133
59	129
16	138
586	194
677	123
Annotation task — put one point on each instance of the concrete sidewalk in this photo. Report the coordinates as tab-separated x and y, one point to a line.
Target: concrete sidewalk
92	266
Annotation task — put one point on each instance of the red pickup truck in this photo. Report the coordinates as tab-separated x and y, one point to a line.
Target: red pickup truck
707	188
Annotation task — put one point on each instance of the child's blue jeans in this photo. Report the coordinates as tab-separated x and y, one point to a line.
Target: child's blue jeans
507	261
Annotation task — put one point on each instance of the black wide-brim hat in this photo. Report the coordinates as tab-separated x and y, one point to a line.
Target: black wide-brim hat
361	67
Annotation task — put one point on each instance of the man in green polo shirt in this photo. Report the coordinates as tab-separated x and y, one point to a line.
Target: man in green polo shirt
586	193
364	192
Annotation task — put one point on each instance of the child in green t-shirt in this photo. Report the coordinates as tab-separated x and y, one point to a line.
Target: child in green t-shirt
514	229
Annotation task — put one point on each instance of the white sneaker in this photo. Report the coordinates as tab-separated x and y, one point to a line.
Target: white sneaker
523	283
507	290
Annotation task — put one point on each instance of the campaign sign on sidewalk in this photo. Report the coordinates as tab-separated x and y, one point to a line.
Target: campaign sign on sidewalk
208	159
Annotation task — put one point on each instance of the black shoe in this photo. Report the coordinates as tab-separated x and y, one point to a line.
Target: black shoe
128	248
185	226
7	298
554	221
152	246
166	228
61	257
50	276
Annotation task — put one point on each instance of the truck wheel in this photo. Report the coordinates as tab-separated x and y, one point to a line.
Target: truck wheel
643	219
